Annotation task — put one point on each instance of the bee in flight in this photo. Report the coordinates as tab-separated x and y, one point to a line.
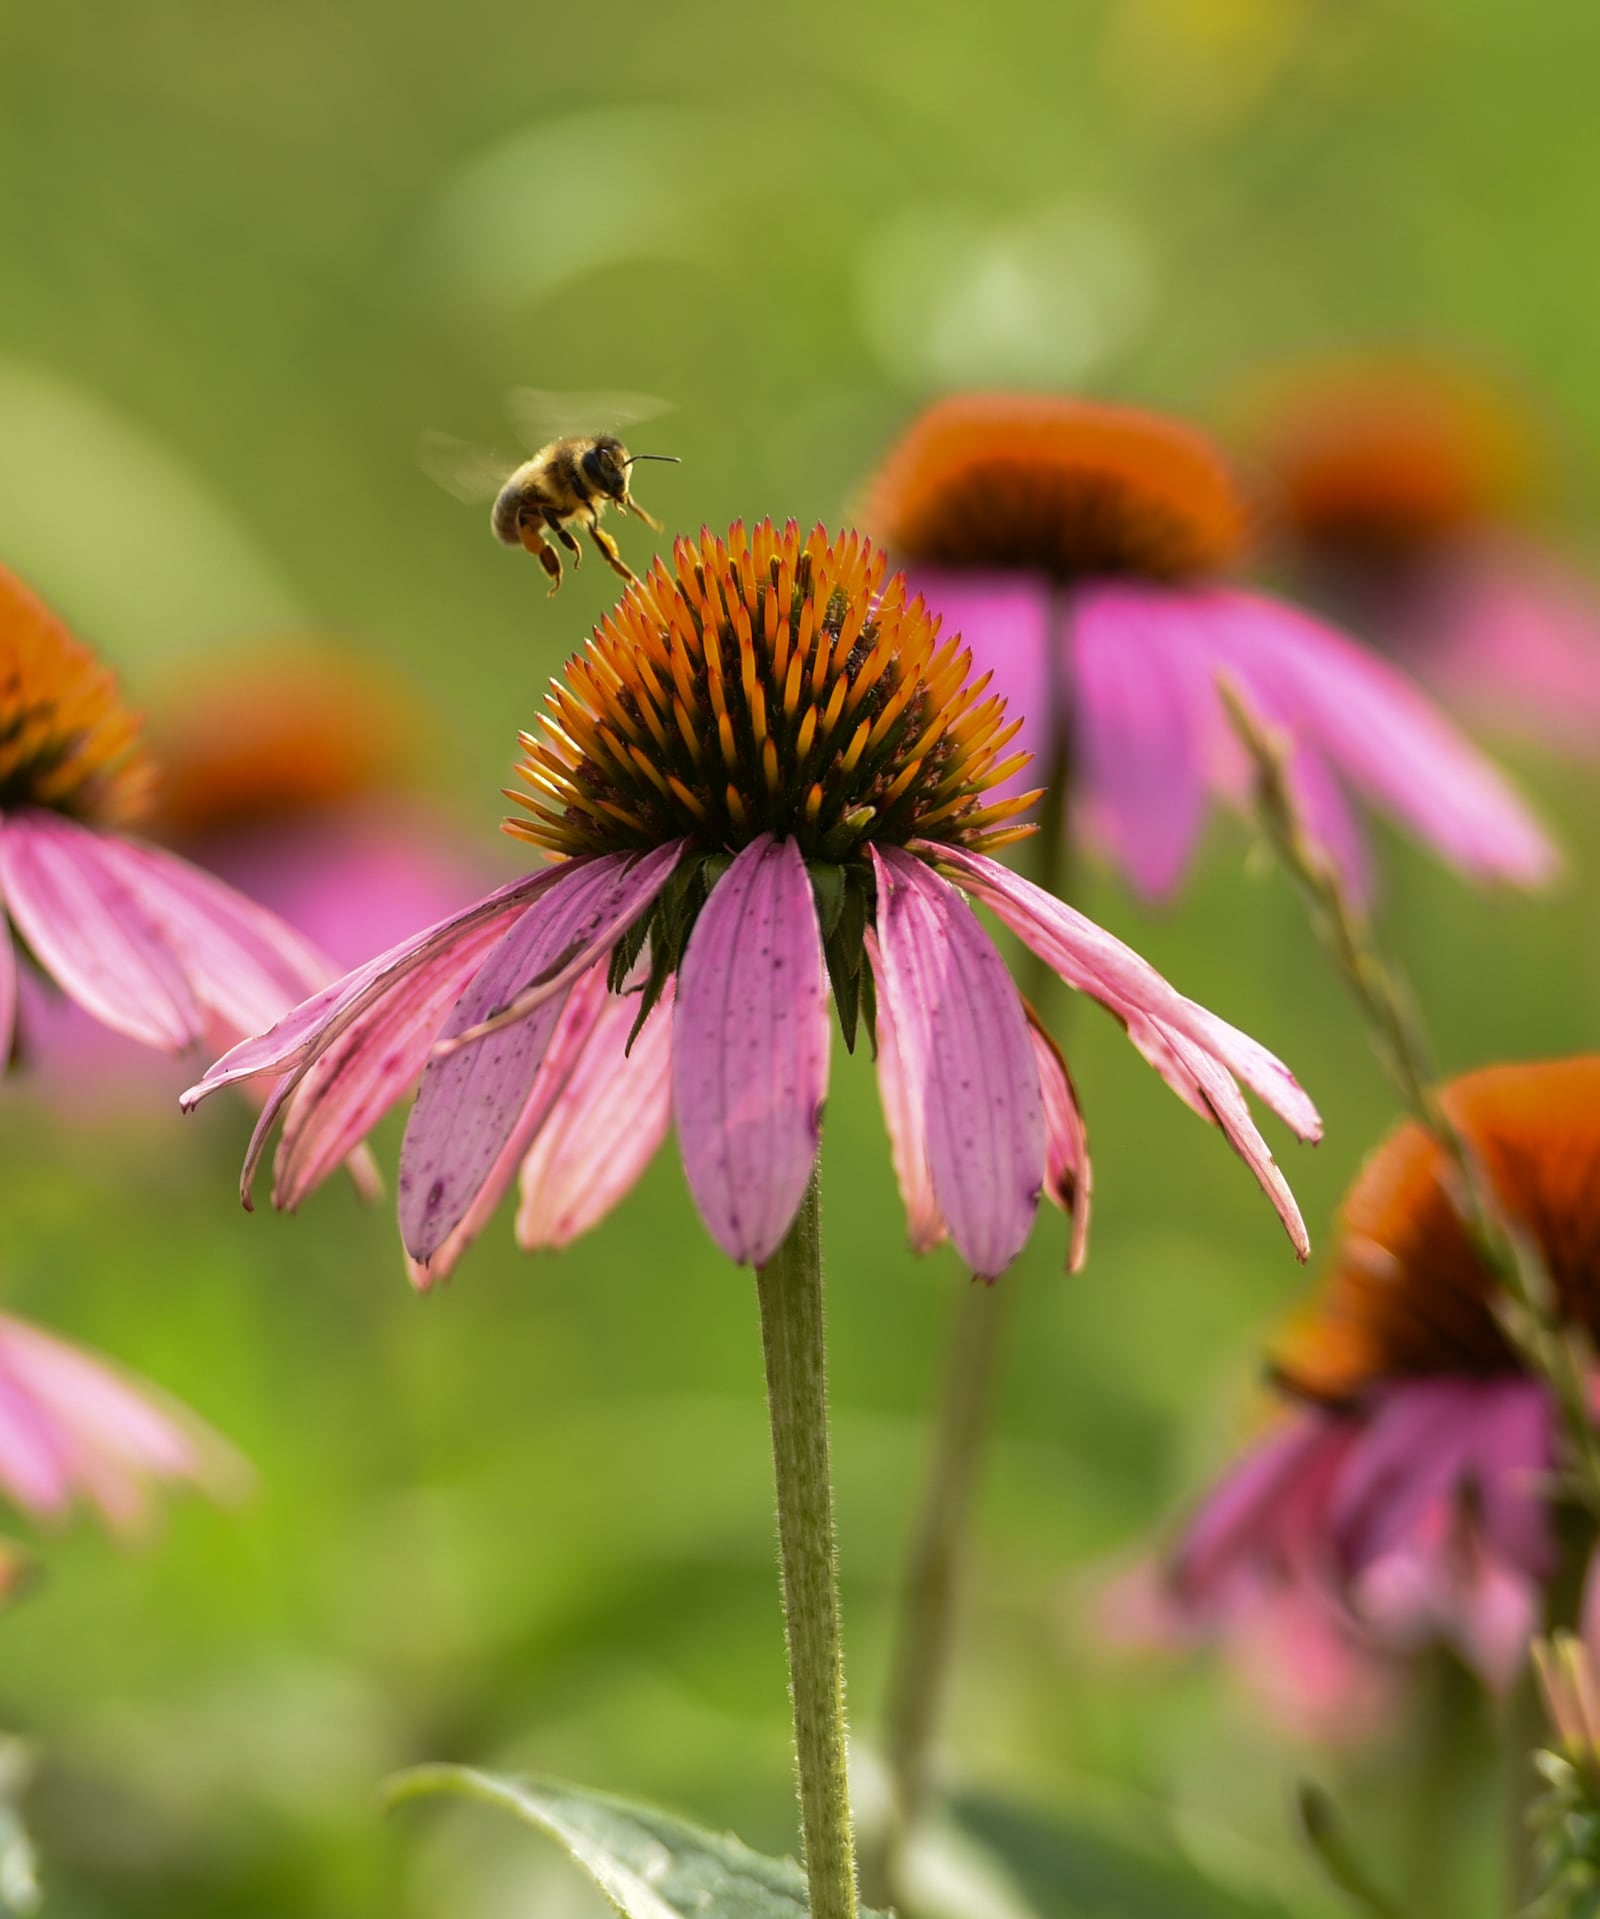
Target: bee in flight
568	483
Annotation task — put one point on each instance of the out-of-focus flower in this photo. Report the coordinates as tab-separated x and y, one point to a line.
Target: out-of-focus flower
72	1431
765	775
147	944
1088	555
1409	1485
1565	1815
1405	491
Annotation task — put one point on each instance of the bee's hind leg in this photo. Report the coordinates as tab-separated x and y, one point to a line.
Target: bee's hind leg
564	535
608	548
542	551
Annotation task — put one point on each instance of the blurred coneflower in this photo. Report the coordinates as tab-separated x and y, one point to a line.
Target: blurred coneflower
1410	1484
1090	556
1406	491
73	1431
146	943
767	775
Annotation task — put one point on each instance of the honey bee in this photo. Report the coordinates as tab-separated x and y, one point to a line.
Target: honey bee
569	482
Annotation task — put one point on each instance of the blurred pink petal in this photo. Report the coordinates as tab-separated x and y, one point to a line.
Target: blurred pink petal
1145	729
1414	1449
1067	1175
71	1429
903	1102
471	1097
1008	621
750	1049
603	1130
91	933
8	992
966	1054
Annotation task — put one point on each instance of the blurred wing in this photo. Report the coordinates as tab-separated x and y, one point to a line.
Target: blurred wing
541	415
471	473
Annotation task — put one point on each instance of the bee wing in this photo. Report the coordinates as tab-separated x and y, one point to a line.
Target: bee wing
471	473
540	414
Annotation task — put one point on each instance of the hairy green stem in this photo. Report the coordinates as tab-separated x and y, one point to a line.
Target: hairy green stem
789	1287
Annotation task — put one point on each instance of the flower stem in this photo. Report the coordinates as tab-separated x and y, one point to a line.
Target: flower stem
789	1287
1552	1349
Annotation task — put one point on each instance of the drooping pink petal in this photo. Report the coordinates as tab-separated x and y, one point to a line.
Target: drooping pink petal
317	1022
1068	1177
1095	962
1512	1460
1007	621
471	1097
1145	720
963	1041
750	1049
1415	1453
332	1102
904	1101
604	1128
71	1428
241	961
580	1013
92	933
1381	733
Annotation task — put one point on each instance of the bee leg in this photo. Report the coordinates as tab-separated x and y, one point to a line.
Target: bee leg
564	535
608	548
542	551
650	520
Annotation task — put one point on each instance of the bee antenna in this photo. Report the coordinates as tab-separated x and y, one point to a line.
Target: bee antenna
672	459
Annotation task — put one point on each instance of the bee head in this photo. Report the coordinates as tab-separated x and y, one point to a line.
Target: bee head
605	466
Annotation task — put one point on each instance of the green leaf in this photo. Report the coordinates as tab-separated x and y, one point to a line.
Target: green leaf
648	1863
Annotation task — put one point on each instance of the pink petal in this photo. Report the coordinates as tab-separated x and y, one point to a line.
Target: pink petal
1414	1454
335	1100
964	1046
1145	720
580	1014
1513	1457
240	960
1067	1177
1094	962
750	1049
1381	733
903	1102
1007	621
603	1129
8	993
471	1098
314	1025
90	931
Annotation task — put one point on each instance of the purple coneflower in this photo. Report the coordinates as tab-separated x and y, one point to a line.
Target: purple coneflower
1089	555
766	777
1410	1486
147	944
1406	488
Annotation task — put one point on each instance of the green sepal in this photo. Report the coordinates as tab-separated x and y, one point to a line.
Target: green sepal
829	884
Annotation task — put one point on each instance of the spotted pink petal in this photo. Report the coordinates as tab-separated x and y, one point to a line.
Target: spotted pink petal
1145	731
903	1104
71	1428
581	1012
1067	1178
604	1128
91	932
317	1022
1095	962
472	1097
964	1046
242	962
750	1049
1382	734
1007	622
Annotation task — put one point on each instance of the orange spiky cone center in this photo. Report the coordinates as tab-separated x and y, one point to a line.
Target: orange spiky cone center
772	681
1066	488
66	740
1407	1293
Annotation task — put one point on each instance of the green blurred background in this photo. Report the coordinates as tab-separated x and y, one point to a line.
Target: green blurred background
250	253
